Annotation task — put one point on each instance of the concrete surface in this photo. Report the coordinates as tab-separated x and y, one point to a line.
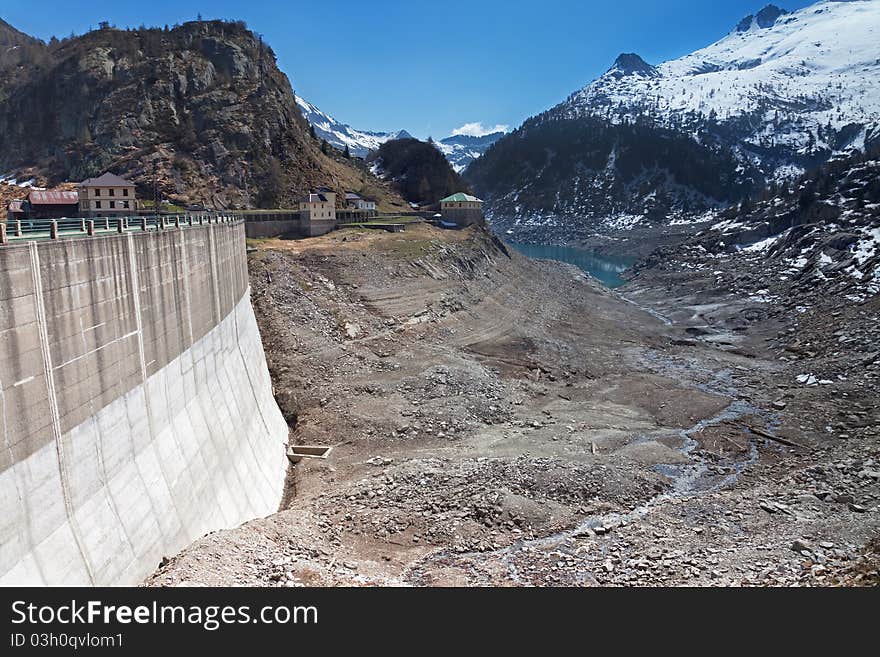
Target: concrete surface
136	408
290	224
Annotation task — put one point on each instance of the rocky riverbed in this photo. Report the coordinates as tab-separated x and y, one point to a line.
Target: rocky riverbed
502	421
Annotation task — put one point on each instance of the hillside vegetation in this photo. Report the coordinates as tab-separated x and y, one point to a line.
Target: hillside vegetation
602	173
418	170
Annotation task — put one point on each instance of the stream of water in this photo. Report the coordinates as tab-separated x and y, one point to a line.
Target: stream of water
691	478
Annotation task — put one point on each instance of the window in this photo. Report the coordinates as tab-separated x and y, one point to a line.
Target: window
112	204
125	204
125	193
112	192
97	205
97	192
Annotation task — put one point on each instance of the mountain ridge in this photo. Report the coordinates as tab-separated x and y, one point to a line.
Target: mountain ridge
17	47
460	150
340	135
781	97
417	169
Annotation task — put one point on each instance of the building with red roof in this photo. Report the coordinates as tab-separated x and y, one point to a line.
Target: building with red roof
45	204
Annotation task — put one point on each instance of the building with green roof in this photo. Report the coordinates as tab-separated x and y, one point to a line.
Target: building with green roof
462	209
461	197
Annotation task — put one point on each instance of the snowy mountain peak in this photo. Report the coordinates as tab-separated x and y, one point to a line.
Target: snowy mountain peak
644	144
807	82
341	135
764	19
629	63
461	150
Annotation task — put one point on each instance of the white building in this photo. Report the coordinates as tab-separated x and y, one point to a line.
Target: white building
357	202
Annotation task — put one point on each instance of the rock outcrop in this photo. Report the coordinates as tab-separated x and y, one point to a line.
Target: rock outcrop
630	63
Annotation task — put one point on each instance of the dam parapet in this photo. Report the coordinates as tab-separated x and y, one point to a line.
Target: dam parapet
135	403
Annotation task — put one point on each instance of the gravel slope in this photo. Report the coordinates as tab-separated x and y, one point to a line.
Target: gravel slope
500	421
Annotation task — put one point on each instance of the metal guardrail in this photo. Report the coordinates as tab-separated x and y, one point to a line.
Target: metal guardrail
12	230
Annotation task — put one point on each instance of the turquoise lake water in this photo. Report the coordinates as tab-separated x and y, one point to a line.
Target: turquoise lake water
606	269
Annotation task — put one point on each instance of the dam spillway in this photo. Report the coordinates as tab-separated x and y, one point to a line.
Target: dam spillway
136	407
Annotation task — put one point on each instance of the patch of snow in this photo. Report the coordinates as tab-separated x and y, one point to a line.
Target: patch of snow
622	221
797	264
687	220
853	271
339	135
763	245
868	246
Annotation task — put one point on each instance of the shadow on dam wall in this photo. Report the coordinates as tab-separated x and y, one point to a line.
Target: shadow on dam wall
136	408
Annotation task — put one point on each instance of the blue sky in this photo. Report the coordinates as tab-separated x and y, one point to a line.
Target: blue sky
430	67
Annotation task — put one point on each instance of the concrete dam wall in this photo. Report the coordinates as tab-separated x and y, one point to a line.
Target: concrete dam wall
136	408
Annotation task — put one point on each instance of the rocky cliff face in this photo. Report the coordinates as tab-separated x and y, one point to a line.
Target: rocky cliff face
202	109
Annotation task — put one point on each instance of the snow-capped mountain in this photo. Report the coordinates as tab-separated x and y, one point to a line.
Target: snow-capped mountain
801	79
461	150
339	135
644	144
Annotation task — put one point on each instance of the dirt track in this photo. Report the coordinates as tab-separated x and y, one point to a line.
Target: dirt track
500	421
